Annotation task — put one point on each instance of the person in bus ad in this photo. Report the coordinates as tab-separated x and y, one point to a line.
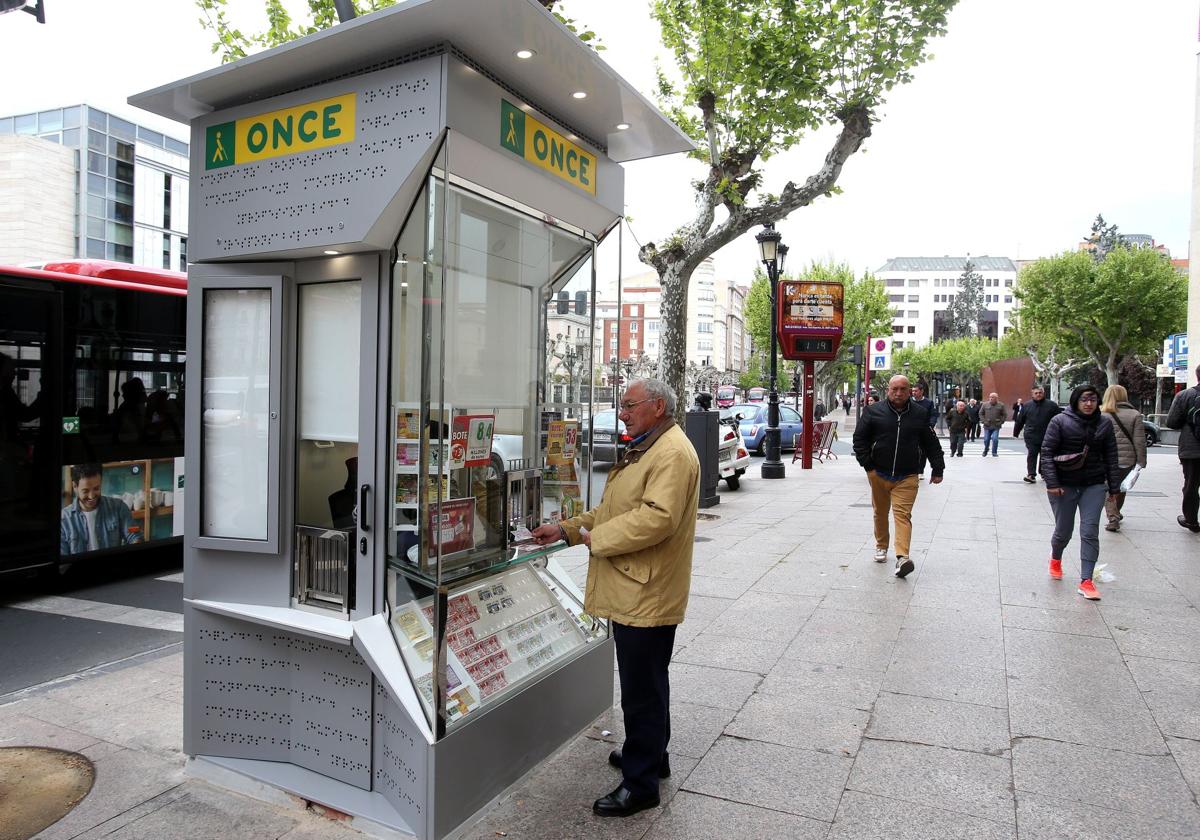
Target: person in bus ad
93	521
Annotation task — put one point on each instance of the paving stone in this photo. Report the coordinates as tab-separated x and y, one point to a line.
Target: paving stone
862	816
966	646
152	723
929	594
953	780
984	619
947	681
760	615
717	687
732	652
694	729
1035	656
843	637
715	587
18	730
691	816
837	684
1046	818
1101	713
201	812
810	721
1143	784
1187	756
1172	691
801	782
1077	622
940	723
124	779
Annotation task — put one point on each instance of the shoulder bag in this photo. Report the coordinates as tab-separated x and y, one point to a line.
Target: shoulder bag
1075	460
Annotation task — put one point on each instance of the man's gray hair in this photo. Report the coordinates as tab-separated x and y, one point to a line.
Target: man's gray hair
656	389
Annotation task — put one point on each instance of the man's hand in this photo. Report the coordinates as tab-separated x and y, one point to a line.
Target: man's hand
546	534
937	479
586	537
1055	491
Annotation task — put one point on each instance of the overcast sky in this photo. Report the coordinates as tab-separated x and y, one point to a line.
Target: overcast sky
1033	116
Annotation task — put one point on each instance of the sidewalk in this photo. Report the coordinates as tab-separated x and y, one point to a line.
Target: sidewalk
814	694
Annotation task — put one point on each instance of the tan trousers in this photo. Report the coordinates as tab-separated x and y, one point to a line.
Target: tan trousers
898	496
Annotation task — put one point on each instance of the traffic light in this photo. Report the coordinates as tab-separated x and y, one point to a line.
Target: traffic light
856	354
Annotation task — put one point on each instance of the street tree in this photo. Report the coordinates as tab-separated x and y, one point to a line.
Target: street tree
1102	238
962	314
752	78
963	359
1123	304
1054	354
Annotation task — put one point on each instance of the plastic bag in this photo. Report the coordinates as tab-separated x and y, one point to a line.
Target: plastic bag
1131	479
1102	574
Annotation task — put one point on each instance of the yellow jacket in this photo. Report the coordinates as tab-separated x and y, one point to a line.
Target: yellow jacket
642	533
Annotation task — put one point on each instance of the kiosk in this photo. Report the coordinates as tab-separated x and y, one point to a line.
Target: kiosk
383	217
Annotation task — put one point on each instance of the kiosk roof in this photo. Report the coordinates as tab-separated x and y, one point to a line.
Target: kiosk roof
488	33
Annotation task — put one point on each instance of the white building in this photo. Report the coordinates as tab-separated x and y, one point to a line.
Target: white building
921	288
126	190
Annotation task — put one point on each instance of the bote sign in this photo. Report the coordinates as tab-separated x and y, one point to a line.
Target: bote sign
810	320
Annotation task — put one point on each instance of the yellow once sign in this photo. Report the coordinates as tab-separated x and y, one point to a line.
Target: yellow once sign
542	146
315	125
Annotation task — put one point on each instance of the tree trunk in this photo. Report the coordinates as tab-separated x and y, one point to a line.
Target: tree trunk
673	333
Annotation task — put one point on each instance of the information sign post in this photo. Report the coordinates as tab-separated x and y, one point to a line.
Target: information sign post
810	330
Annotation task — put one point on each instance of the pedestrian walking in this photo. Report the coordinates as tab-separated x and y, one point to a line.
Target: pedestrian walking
1035	416
923	402
1079	464
992	414
818	410
957	423
1131	445
889	442
973	410
639	574
1185	416
846	405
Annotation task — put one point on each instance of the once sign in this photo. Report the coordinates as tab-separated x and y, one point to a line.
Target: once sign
544	147
314	125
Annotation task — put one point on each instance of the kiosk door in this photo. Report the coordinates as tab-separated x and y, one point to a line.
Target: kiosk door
336	306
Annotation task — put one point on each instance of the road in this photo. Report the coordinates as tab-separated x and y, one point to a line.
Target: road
91	616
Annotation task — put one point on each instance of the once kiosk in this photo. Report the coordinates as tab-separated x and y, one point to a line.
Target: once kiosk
382	218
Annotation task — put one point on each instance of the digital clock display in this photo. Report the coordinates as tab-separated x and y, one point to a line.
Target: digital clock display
813	345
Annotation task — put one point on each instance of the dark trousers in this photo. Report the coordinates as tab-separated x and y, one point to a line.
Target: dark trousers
1191	487
956	443
1033	456
643	655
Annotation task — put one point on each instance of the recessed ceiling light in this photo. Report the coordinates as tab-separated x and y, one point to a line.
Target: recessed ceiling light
524	54
622	126
332	253
579	94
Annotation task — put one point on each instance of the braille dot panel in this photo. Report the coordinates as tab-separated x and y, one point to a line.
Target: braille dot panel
399	757
323	197
278	696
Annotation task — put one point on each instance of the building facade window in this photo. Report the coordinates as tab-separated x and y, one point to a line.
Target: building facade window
893	282
896	298
914	298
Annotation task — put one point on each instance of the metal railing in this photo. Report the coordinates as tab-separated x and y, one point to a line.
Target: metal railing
322	568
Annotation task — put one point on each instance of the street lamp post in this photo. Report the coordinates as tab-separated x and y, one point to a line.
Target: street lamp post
772	254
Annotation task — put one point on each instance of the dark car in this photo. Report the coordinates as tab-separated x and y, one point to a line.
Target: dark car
607	435
754	425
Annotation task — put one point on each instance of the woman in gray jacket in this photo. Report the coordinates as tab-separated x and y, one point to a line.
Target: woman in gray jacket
1131	445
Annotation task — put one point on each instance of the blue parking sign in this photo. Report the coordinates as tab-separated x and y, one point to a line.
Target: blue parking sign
1180	341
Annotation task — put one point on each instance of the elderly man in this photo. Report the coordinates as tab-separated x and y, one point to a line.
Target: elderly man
958	421
639	576
992	415
888	443
1035	416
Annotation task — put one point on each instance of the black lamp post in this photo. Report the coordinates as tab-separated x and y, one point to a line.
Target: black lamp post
772	254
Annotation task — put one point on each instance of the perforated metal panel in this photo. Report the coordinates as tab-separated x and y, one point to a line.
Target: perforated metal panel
322	197
267	694
401	758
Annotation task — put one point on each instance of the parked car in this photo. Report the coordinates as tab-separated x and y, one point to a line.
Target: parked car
1152	432
754	425
608	435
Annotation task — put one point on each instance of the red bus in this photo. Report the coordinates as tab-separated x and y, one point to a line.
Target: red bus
726	396
756	395
91	412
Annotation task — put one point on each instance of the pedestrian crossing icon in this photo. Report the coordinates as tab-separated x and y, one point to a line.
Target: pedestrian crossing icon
879	363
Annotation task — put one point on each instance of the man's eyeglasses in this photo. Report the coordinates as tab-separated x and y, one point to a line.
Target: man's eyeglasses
629	406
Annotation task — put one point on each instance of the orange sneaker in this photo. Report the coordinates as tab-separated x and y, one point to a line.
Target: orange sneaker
1088	590
1055	569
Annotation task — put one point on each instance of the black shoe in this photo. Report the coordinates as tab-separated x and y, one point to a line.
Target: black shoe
664	769
1029	479
622	803
1191	526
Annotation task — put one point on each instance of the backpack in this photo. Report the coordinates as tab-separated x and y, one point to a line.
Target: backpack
1193	419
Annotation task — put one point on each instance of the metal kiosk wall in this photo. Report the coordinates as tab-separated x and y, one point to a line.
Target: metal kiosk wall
381	216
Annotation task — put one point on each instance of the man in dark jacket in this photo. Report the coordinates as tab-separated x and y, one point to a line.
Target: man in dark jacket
1035	416
923	402
1189	452
957	422
890	442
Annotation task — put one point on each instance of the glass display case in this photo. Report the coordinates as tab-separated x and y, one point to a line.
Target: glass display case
478	456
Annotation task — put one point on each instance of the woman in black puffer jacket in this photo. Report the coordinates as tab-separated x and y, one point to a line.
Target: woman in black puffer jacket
1083	487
